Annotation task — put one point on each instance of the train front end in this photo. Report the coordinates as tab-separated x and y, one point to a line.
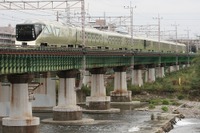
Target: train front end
26	34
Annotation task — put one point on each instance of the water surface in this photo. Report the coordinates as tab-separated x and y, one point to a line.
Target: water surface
187	125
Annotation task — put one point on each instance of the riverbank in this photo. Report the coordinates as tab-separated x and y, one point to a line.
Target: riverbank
190	109
165	121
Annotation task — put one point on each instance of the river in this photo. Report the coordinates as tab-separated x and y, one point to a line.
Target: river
123	122
127	121
187	125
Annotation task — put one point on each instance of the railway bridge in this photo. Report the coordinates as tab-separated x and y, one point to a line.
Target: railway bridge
21	67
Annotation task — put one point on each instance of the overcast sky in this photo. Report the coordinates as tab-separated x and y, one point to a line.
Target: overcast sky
185	13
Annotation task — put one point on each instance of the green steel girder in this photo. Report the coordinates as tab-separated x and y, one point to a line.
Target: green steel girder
138	60
183	59
37	63
168	59
42	60
107	61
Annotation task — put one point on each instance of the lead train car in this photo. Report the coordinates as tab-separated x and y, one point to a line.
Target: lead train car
55	34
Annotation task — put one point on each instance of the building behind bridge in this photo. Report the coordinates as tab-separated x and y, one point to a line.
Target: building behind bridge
7	35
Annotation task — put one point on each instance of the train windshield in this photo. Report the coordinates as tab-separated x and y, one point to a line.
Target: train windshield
28	32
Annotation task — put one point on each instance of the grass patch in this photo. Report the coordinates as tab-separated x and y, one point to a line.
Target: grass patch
165	108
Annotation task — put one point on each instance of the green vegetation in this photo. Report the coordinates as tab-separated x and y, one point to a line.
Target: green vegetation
152	106
180	97
165	102
159	101
165	108
175	82
183	84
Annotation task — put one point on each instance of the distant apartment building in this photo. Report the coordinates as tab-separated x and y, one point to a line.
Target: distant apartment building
7	35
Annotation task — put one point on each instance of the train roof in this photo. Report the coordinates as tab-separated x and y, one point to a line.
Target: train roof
162	41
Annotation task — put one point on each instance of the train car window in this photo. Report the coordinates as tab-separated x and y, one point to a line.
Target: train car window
47	30
25	32
38	29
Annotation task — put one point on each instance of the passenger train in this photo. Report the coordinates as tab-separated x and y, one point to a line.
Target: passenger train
55	34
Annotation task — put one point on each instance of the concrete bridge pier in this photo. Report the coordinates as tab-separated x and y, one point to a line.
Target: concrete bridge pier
151	73
4	99
137	75
183	66
157	71
177	67
161	71
188	65
120	93
67	110
172	68
98	99
146	75
20	119
45	94
87	78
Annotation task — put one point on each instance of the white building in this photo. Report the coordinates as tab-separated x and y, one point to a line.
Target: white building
7	35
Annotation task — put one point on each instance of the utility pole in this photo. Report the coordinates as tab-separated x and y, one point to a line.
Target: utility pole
68	13
83	21
176	30
188	37
57	16
131	20
197	45
158	18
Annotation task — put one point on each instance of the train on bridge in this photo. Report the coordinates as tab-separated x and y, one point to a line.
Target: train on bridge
55	34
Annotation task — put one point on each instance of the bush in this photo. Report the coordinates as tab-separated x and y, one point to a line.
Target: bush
165	102
134	88
151	106
165	109
181	97
175	103
155	101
